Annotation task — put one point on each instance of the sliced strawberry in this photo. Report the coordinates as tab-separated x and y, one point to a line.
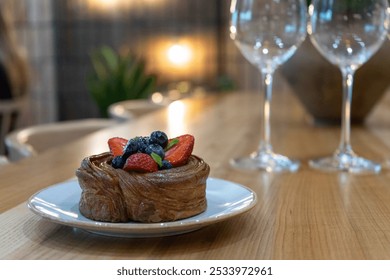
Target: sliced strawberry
140	162
117	145
179	154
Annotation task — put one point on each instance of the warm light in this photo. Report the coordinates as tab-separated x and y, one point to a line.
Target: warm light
311	12
108	3
233	5
179	59
233	32
104	5
387	24
176	114
117	7
179	54
157	97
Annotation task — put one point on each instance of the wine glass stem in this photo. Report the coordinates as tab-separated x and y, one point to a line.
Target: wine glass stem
265	143
345	144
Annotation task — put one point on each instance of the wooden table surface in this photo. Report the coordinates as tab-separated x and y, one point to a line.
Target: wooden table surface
302	215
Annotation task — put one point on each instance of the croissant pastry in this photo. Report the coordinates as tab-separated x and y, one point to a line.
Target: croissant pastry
116	195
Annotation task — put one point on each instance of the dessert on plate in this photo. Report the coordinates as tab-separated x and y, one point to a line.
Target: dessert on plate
144	179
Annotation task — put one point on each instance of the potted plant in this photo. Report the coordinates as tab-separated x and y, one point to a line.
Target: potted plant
117	78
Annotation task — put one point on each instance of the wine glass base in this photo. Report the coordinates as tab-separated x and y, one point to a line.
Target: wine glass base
346	163
266	161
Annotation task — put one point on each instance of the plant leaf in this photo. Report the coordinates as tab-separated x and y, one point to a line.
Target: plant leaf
116	78
110	57
157	159
171	143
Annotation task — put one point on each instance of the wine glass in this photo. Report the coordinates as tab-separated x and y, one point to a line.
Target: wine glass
388	20
267	32
347	33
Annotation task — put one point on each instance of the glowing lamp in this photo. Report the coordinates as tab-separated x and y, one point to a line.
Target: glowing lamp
179	55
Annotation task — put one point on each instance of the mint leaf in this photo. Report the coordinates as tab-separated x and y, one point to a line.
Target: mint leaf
157	159
171	143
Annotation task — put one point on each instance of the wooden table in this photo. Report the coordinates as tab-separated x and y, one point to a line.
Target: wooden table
302	215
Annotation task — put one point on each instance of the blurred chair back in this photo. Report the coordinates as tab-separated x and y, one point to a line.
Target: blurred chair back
10	111
36	139
3	160
132	109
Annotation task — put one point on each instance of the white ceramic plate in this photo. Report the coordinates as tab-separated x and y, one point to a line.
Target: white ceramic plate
59	204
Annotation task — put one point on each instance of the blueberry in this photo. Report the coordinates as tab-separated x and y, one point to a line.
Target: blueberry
159	138
143	143
118	162
155	148
166	165
130	148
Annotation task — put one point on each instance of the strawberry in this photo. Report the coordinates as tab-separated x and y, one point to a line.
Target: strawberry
140	162
117	145
179	154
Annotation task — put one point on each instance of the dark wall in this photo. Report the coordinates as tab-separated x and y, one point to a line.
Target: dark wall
141	27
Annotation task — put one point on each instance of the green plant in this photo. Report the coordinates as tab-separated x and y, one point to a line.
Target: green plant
116	78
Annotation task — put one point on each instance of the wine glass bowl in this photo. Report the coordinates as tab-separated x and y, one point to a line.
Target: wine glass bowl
267	32
347	33
387	24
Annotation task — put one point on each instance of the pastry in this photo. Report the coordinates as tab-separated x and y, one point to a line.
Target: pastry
144	180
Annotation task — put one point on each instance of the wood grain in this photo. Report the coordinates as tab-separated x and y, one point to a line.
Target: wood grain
302	215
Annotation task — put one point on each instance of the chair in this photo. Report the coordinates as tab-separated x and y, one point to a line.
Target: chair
3	160
10	111
36	139
132	109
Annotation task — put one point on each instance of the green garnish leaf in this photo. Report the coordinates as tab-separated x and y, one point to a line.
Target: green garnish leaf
171	143
157	159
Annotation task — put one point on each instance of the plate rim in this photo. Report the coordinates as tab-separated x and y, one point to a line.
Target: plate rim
129	228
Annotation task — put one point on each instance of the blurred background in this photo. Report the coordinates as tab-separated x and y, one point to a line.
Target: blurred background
183	44
83	55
